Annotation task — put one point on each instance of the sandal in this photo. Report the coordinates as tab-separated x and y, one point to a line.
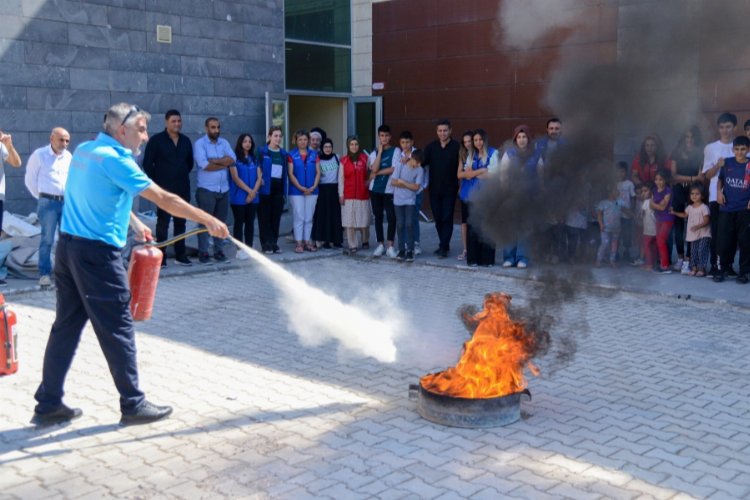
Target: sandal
299	249
311	248
462	255
700	274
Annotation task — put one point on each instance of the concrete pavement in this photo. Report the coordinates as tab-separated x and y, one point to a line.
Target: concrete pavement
653	404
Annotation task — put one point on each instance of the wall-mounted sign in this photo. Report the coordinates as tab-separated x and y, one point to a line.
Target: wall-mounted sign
378	86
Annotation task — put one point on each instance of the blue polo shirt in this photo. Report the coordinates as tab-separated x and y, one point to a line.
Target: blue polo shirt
102	181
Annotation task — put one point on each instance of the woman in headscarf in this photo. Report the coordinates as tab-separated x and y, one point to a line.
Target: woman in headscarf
327	230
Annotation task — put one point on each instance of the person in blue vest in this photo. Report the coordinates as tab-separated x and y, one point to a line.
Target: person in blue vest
304	176
272	159
549	144
244	184
521	165
479	251
91	280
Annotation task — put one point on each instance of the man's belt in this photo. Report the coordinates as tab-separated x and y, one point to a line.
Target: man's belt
56	197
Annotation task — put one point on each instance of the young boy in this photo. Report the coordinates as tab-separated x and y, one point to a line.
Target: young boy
407	180
608	214
715	151
402	154
381	192
626	190
733	197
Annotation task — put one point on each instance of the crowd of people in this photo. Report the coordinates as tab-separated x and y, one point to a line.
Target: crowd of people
695	200
684	211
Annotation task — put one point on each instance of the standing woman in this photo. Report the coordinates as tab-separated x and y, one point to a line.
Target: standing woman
244	183
326	227
686	166
485	159
521	164
650	159
354	195
304	175
273	160
465	163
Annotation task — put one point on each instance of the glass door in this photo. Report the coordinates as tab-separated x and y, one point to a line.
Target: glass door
365	116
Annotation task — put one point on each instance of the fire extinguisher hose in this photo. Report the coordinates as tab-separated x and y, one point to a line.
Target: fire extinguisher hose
177	238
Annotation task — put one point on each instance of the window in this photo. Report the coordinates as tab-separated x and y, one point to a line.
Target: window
318	45
318	67
322	21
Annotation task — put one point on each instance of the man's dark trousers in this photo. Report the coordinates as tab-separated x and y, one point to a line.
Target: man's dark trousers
91	285
443	206
162	227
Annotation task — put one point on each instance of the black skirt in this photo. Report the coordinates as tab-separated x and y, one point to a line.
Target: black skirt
327	219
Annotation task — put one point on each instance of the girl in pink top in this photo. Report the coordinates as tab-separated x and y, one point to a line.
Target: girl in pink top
698	230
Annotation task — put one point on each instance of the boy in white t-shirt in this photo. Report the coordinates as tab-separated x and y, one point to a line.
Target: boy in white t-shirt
715	151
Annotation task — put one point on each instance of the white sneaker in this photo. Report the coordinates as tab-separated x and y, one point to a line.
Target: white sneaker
45	281
507	264
391	252
417	248
685	267
678	264
522	265
379	251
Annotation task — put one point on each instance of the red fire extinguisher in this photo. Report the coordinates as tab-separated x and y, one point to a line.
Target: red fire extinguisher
8	338
143	276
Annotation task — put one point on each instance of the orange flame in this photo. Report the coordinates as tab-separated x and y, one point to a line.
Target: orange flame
494	358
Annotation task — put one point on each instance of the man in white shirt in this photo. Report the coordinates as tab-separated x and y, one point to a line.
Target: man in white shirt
727	122
46	174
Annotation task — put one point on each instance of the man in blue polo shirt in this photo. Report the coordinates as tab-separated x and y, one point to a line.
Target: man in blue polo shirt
89	272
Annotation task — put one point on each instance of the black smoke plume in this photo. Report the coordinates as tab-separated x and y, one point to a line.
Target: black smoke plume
650	83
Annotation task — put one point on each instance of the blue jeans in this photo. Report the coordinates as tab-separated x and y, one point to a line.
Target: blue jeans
516	254
405	226
415	217
49	212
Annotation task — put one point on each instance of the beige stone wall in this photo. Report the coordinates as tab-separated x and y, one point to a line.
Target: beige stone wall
362	47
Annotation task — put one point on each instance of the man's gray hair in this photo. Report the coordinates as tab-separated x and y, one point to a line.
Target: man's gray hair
121	114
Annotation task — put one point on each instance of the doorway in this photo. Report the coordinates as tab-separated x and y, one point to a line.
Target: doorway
328	113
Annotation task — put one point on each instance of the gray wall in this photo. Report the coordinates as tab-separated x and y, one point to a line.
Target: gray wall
64	62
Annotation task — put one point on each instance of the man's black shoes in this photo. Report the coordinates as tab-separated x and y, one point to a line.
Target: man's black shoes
183	260
146	413
58	416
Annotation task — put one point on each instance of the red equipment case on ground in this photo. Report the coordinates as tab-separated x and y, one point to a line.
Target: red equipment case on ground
8	339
